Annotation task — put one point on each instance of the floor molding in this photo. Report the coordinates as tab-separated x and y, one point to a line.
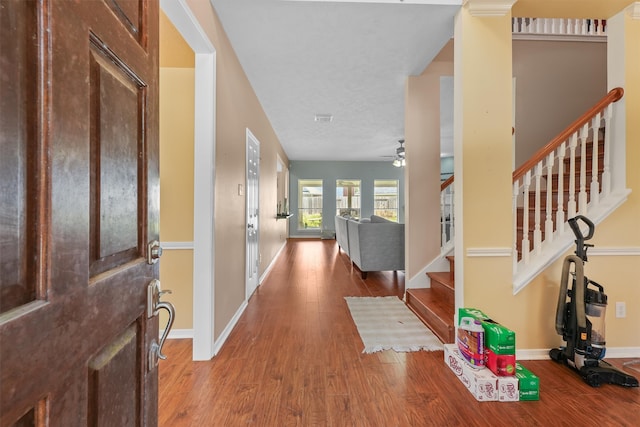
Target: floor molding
271	264
227	330
178	334
612	353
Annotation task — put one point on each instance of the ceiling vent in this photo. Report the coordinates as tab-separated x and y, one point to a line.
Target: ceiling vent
324	118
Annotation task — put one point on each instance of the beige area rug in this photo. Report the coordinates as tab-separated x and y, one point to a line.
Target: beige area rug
386	323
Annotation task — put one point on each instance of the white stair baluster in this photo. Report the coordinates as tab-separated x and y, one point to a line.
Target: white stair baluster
606	174
582	196
560	212
571	205
525	219
516	193
537	231
548	224
452	228
594	191
443	233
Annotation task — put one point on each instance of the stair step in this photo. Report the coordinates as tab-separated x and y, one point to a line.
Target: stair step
433	311
443	287
452	266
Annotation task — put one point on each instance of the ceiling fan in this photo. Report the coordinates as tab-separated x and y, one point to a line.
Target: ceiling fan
399	159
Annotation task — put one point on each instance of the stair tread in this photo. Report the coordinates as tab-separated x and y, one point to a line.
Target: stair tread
443	277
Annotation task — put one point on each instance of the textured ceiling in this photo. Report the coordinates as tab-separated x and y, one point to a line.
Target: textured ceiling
348	59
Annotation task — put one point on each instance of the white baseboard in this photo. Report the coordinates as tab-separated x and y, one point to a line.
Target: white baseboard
271	264
178	334
612	353
188	333
217	345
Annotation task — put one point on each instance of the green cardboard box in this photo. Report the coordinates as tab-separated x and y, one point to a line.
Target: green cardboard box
497	338
528	383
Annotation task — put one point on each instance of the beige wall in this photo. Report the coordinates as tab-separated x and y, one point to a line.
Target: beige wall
556	82
176	171
237	108
487	280
483	161
569	8
422	177
176	190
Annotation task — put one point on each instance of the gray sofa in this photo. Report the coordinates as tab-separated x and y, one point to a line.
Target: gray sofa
375	244
341	233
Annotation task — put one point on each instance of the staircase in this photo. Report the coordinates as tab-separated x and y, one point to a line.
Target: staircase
435	305
568	176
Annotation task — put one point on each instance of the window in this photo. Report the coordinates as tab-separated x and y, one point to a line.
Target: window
348	198
386	199
309	204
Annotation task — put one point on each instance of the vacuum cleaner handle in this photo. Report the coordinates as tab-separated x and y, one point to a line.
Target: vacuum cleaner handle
581	246
573	222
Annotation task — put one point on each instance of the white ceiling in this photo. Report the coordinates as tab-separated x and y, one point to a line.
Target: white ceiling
345	58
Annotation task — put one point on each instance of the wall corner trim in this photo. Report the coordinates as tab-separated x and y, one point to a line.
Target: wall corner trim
489	252
484	8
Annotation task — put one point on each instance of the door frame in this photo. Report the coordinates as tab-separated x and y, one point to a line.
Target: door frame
187	24
249	289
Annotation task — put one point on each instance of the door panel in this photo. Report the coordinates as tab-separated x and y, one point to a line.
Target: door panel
79	202
112	382
253	218
130	13
18	113
117	109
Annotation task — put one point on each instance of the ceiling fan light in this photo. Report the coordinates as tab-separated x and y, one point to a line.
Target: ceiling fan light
397	163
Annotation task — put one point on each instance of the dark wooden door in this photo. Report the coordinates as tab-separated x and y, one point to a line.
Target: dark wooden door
79	203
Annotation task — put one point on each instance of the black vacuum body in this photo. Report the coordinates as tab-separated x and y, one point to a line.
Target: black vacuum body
580	318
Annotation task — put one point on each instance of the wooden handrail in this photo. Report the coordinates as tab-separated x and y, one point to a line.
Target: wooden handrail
613	96
446	183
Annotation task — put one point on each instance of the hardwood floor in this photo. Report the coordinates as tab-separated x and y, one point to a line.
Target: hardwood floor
295	358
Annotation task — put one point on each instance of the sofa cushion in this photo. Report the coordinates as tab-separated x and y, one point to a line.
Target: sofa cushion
376	218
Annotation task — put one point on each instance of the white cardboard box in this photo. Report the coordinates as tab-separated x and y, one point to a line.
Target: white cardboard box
508	389
483	384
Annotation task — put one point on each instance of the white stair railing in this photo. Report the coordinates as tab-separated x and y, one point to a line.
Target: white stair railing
447	229
571	175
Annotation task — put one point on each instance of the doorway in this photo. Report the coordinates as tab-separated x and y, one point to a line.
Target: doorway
252	258
204	175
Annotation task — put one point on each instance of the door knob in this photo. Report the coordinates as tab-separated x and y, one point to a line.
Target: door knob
154	252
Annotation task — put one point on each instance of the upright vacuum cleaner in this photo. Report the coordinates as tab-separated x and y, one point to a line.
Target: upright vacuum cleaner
580	319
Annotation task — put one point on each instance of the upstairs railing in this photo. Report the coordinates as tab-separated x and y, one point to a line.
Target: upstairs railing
559	27
570	175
